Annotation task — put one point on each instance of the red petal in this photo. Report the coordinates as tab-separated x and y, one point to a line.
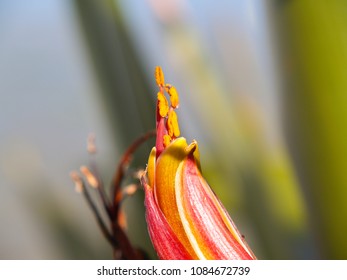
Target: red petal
209	228
165	242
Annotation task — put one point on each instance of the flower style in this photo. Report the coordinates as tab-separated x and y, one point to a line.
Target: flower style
185	219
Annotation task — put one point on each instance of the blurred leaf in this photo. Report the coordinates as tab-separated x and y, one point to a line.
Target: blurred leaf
126	94
314	49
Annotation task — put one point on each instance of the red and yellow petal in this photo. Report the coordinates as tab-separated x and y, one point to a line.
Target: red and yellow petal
185	219
164	188
151	167
164	240
208	227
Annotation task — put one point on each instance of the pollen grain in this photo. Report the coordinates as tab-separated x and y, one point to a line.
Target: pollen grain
163	105
172	124
174	99
159	76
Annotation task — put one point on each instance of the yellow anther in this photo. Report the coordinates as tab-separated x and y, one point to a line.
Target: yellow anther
159	76
163	105
172	124
166	140
174	99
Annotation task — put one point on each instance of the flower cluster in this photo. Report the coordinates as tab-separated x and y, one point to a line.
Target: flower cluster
185	218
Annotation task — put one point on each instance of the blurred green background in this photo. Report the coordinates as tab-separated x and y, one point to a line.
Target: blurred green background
263	88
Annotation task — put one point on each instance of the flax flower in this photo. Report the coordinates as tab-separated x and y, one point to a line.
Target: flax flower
185	218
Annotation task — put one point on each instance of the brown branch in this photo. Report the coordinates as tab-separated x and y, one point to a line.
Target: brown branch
120	171
128	251
102	194
116	236
99	220
81	187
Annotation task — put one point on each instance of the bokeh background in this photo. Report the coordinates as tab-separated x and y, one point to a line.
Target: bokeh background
263	88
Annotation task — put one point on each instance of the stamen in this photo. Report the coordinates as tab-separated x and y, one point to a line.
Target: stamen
163	105
174	99
172	124
159	76
167	121
89	176
166	140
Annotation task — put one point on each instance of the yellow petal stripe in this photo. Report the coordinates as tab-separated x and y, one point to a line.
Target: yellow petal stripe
151	167
206	223
164	188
